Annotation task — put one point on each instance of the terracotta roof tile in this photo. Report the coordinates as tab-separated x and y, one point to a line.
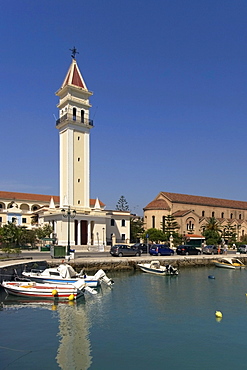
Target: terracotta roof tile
157	204
181	213
28	197
206	201
36	197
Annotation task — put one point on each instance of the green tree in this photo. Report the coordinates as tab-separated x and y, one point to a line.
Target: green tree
229	233
122	204
136	229
14	236
212	231
11	234
154	235
44	232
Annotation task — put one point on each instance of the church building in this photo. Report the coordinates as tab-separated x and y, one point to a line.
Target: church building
192	213
72	214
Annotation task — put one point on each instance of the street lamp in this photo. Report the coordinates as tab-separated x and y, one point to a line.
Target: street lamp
171	241
103	236
67	213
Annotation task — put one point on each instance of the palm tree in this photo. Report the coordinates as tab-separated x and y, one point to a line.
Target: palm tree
212	231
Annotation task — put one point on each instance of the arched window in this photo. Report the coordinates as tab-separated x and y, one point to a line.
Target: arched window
153	222
240	216
222	215
203	213
231	216
190	226
213	214
74	114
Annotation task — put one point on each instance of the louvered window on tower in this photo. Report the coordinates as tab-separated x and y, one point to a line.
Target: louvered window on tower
82	116
74	114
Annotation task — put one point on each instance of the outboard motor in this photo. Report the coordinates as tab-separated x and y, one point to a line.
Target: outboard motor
81	285
101	275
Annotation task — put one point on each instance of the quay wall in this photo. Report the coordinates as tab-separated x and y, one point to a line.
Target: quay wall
92	265
122	264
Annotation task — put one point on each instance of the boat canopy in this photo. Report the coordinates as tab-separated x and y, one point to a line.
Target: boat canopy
66	271
155	264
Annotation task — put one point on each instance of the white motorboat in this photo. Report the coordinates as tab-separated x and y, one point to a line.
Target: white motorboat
229	263
155	268
65	273
32	289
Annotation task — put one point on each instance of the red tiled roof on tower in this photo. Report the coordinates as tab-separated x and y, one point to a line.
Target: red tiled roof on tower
74	76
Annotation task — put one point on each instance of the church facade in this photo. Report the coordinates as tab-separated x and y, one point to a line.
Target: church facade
192	213
73	214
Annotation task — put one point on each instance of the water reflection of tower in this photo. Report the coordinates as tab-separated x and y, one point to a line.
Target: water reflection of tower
74	349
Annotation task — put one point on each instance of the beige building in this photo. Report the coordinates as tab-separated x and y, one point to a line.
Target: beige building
192	212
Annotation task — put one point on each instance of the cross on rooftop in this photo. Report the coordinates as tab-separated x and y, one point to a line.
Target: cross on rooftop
74	52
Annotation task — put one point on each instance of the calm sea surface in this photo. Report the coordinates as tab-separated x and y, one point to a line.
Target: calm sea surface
144	322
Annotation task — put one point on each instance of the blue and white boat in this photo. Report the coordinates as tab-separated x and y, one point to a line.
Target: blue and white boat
65	273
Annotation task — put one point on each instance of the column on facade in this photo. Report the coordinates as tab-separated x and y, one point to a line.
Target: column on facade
89	233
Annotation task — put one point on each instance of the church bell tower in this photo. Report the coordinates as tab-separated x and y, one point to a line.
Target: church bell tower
74	128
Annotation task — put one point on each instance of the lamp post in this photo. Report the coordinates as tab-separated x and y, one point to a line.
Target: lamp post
171	241
67	213
103	236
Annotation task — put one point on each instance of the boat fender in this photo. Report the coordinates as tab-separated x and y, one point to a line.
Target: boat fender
71	297
211	277
54	292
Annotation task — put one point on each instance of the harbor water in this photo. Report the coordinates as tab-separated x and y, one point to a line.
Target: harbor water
143	322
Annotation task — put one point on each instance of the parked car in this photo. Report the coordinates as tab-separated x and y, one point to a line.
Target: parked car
188	249
242	248
142	247
121	250
160	250
211	249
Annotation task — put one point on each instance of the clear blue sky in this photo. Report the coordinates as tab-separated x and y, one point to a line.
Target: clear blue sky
170	95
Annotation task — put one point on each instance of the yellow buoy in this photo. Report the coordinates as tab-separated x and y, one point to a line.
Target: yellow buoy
71	297
218	314
54	292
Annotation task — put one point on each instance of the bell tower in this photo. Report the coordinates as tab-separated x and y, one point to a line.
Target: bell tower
74	128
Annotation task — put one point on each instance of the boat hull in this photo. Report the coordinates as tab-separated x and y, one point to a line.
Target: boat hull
92	283
48	291
162	271
229	263
224	265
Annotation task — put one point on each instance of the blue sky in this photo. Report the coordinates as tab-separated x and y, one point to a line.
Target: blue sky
170	91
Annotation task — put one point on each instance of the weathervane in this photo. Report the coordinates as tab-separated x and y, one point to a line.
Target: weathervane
74	52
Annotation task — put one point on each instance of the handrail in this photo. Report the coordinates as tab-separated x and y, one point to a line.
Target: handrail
71	117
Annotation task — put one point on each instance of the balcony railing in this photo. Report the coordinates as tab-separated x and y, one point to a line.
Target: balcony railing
72	118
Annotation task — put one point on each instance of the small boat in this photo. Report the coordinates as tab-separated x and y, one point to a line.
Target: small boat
155	268
229	263
65	273
32	289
